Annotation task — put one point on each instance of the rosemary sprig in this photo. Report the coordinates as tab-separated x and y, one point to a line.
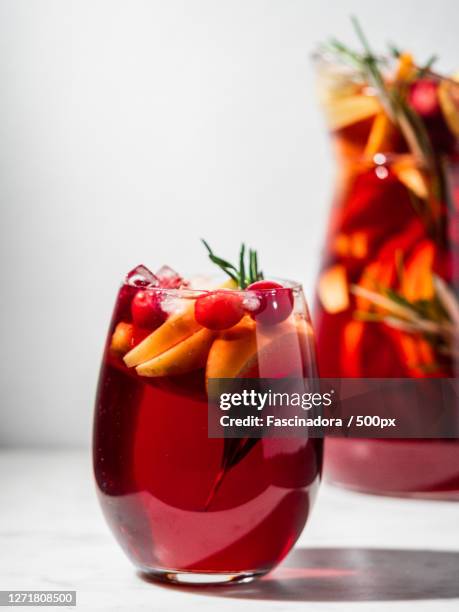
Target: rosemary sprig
437	319
394	103
247	272
338	48
393	97
427	67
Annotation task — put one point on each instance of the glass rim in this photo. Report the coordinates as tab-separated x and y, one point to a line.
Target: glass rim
194	291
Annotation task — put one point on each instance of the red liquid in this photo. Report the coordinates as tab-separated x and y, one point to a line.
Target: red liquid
157	473
378	211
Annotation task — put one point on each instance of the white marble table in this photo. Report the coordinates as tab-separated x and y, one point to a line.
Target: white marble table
358	553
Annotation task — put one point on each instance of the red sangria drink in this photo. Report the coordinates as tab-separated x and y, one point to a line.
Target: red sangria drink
387	295
187	508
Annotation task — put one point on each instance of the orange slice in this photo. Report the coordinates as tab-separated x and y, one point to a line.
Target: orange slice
351	355
248	351
189	355
411	177
122	338
333	289
380	137
232	350
376	275
341	112
418	355
448	96
175	329
352	245
406	67
417	280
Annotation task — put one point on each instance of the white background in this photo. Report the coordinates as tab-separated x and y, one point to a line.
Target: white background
129	129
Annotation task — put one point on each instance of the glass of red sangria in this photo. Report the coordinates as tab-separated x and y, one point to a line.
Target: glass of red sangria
388	290
184	507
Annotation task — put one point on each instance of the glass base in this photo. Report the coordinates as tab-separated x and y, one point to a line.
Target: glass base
200	578
421	469
429	495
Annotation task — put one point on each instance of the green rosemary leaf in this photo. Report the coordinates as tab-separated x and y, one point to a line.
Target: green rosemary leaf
418	131
209	250
246	274
399	299
242	277
225	269
361	36
335	46
216	259
394	50
423	70
224	265
371	68
251	267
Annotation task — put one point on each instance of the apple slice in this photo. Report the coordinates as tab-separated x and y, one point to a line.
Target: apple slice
341	112
232	349
174	330
186	356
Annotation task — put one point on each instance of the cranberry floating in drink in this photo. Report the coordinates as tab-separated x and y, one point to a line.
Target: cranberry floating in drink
387	294
183	506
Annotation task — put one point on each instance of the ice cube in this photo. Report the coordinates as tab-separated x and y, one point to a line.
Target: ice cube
251	301
172	303
141	276
169	278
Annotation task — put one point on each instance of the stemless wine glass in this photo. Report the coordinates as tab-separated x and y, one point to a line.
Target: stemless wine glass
181	509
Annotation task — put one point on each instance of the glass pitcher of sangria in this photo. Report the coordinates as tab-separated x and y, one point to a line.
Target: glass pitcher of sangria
387	301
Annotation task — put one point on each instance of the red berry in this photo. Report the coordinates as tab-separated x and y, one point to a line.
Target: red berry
219	310
276	302
146	309
423	98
